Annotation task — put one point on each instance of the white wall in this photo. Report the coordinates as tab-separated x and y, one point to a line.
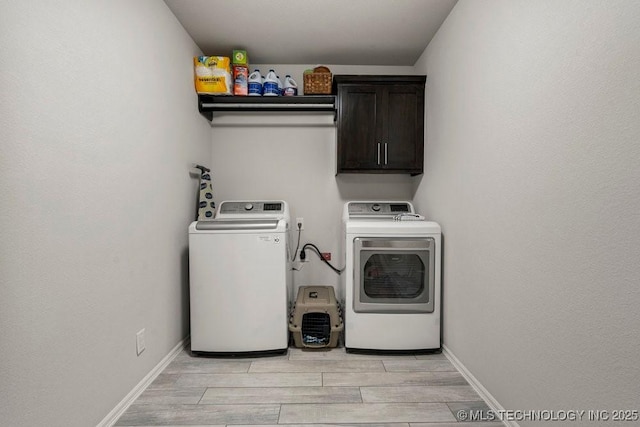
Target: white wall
293	157
99	127
532	154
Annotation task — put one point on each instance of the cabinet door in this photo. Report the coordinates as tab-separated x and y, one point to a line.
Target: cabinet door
403	138
359	125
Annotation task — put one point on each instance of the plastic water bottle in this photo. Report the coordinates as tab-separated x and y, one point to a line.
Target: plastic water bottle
255	83
290	87
270	87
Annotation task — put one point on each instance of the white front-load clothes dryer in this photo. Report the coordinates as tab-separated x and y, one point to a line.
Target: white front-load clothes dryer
391	283
240	279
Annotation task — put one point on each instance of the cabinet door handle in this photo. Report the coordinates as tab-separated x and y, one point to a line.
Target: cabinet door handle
378	153
385	153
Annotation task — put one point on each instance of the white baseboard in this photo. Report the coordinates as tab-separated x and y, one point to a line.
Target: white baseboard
116	412
477	386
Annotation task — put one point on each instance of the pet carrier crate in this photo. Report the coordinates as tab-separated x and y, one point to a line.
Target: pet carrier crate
316	319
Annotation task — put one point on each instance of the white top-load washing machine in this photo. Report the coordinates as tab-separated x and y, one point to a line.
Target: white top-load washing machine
240	279
391	283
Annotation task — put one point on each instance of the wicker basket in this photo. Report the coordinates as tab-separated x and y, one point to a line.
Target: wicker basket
318	82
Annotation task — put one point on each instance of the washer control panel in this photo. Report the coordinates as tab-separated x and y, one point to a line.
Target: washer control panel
252	207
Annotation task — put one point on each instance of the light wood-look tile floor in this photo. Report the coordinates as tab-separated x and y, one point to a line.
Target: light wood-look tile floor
310	388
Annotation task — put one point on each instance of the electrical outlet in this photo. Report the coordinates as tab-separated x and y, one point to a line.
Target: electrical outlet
140	344
326	256
301	222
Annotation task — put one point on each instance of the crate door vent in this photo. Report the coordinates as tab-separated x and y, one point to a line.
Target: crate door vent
316	328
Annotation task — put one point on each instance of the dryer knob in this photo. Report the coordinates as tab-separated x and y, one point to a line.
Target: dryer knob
248	207
375	207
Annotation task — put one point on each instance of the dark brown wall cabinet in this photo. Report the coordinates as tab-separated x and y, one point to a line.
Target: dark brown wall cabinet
380	124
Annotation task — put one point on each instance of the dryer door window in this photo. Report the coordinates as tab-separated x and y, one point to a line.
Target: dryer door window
394	275
389	276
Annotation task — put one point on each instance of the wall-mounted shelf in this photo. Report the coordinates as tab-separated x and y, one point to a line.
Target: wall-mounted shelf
208	104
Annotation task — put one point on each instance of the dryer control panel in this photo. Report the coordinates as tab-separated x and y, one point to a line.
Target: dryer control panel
357	209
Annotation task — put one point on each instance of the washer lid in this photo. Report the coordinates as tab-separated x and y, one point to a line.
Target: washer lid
230	224
239	226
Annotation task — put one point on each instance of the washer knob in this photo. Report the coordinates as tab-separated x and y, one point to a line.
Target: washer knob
248	207
375	207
